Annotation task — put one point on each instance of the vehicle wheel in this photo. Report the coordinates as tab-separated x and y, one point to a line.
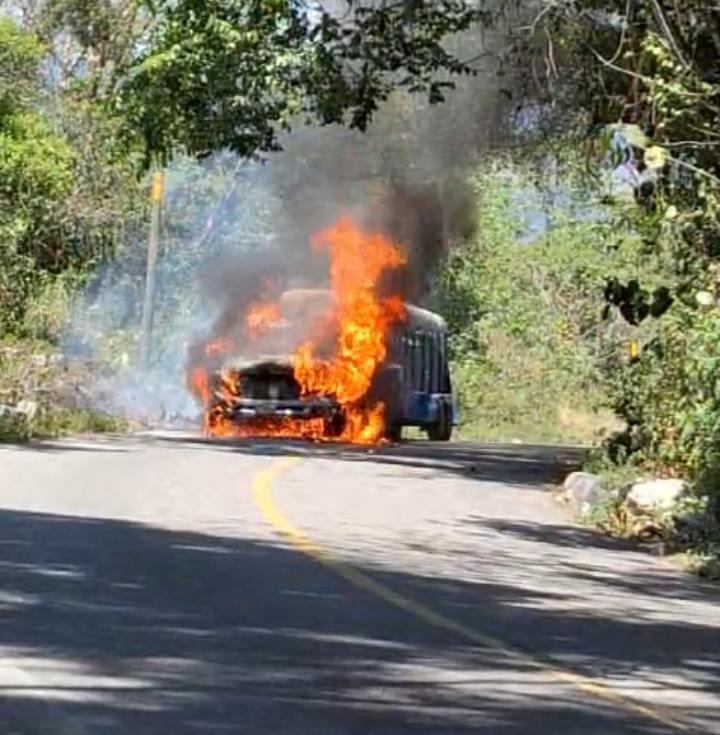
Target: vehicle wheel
441	430
393	433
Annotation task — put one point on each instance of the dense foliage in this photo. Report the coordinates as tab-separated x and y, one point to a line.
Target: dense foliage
35	171
654	65
524	299
232	75
66	193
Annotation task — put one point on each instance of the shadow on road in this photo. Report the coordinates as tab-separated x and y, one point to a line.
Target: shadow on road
568	536
138	630
525	464
509	464
106	444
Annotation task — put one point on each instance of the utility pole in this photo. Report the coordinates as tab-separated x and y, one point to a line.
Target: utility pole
150	272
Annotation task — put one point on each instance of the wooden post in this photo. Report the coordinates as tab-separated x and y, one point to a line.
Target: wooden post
150	272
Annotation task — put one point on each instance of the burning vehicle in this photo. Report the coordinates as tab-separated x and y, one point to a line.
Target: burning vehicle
346	363
259	386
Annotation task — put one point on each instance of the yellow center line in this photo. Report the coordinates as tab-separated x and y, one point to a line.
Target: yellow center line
263	499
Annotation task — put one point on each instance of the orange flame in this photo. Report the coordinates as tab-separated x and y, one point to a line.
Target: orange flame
199	384
261	317
357	262
220	347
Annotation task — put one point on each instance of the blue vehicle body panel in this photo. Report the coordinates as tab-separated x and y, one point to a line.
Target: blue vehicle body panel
424	408
420	354
420	408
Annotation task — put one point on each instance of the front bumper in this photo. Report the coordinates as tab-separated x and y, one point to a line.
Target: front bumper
246	409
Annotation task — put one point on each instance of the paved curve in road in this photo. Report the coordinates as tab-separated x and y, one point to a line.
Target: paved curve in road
164	584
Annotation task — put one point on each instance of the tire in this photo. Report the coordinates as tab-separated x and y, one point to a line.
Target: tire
393	433
441	430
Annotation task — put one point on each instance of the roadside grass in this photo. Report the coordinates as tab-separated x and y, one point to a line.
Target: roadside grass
703	565
688	534
50	423
42	397
519	397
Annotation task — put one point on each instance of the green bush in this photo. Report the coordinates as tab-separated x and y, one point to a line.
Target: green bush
529	342
670	397
68	193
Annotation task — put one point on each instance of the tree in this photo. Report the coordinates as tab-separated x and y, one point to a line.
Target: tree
88	42
35	172
67	191
232	74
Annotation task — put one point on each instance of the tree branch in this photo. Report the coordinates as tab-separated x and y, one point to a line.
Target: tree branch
667	32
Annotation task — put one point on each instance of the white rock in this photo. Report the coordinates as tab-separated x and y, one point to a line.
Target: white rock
583	491
27	408
24	411
656	495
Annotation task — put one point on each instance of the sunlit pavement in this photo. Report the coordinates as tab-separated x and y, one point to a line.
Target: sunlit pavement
165	584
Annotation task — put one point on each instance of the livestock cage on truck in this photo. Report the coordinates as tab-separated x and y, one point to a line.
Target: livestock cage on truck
415	383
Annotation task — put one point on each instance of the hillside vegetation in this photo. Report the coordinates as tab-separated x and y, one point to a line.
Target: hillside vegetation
641	82
524	300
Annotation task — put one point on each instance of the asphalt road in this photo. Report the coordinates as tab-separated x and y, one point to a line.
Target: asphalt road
163	584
